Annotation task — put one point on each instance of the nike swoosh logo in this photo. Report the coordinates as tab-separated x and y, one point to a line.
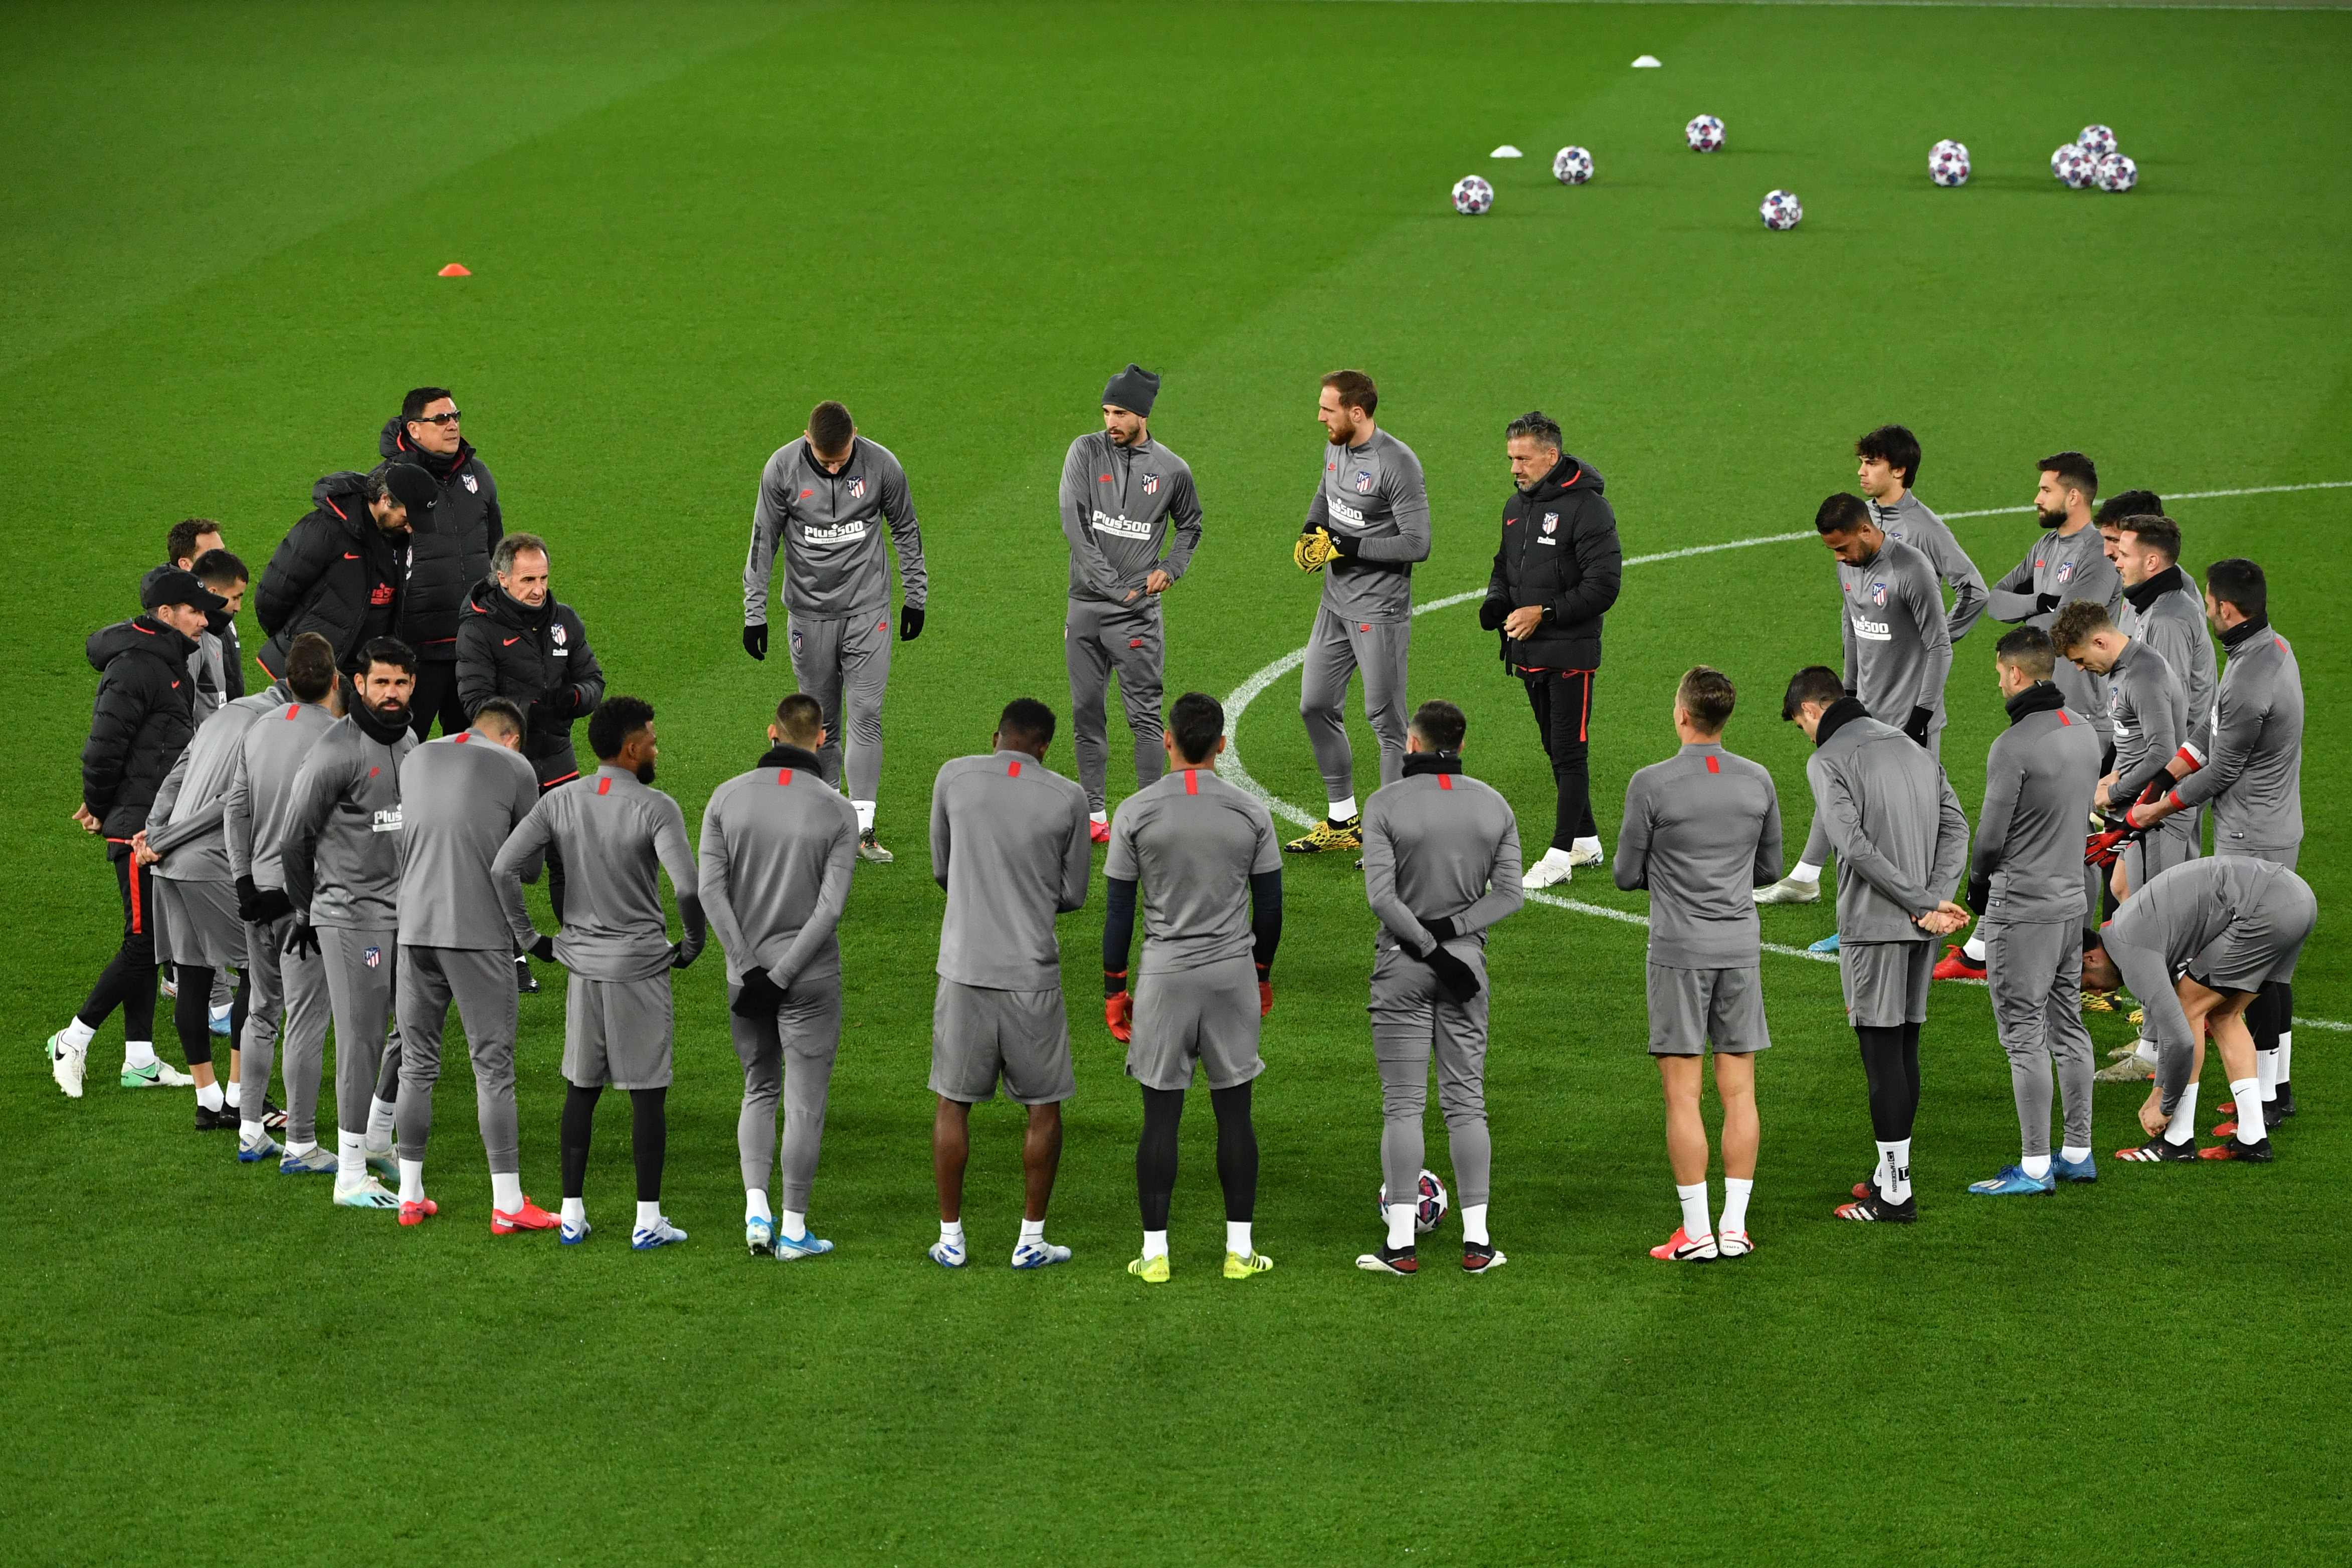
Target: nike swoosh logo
510	641
350	557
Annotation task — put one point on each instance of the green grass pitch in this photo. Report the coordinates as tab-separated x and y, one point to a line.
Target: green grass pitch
685	224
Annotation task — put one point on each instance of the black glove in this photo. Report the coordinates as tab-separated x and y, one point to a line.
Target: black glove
1917	726
1980	894
301	942
2045	604
1453	976
1346	544
542	947
679	958
759	995
755	641
910	622
1442	928
1492	613
260	906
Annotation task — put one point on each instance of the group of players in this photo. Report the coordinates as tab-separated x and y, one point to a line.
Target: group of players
312	839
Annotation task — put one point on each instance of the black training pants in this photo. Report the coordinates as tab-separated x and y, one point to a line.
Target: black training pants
129	979
1562	701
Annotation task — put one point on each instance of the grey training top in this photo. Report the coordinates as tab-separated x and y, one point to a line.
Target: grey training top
617	837
1910	522
1373	493
1118	505
1193	842
461	797
2039	777
186	824
2175	627
2147	709
2250	764
1702	833
342	848
1011	846
1439	846
1900	836
2073	566
260	798
829	528
778	846
1898	647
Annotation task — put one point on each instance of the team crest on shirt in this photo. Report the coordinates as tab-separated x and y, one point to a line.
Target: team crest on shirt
556	632
858	490
1878	595
1551	522
1151	484
372	957
2065	571
471	488
1363	481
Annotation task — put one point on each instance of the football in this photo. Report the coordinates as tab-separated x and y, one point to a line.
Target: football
1472	196
1571	165
1781	209
2073	167
2117	173
1948	163
1430	1209
1704	134
2096	139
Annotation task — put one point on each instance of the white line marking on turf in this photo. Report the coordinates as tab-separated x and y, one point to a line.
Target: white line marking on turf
1238	702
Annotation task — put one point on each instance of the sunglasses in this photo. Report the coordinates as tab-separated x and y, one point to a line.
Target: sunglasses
449	419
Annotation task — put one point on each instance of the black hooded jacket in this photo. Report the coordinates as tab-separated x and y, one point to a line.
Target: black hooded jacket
447	559
536	659
145	717
335	572
1559	549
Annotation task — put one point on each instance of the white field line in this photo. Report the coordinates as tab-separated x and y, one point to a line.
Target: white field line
1237	703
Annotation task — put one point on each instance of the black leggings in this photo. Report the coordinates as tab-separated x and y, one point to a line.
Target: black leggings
648	1137
193	1013
1890	1064
128	982
1155	1153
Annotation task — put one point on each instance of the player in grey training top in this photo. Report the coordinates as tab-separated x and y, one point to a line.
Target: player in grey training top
288	987
1441	865
461	797
2026	882
1702	833
2150	715
1887	466
342	860
1010	845
617	834
2197	946
2068	562
1123	494
1367	525
1901	842
2163	608
1202	853
823	501
777	850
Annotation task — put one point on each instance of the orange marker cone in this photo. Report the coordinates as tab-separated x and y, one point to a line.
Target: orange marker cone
454	271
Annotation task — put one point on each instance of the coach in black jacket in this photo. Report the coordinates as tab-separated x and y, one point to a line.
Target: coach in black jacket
340	571
446	559
1555	575
518	643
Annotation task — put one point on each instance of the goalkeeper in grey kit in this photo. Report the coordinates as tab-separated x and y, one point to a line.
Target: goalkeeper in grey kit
1122	495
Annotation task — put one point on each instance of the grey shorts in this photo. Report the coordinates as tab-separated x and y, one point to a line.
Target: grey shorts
979	1034
1206	1015
1690	1008
617	1033
2285	858
2174	843
2262	947
201	925
1885	983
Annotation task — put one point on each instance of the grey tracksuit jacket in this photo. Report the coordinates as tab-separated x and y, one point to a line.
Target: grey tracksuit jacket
1011	847
828	528
461	798
1911	522
261	800
1701	833
777	849
185	825
2148	712
2071	566
1120	505
1373	493
2168	613
1899	646
1439	844
342	847
2250	767
2039	777
617	837
1900	836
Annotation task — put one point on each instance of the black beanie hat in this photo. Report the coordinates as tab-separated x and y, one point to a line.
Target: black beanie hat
413	487
1133	389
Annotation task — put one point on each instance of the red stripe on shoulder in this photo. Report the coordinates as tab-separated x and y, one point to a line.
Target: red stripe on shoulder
1013	770
1714	766
2064	720
1445	781
784	776
603	786
292	708
460	736
1191	781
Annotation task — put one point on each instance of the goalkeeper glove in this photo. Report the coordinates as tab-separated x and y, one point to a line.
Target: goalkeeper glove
1313	550
1264	991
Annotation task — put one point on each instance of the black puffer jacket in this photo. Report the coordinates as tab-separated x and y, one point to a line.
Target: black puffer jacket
448	559
1559	549
538	658
335	572
145	717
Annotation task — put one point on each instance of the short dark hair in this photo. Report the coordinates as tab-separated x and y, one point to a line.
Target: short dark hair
2031	650
219	567
802	719
420	398
1708	695
1840	513
1814	683
1196	720
501	716
1026	725
830	428
388	650
2128	503
2154	532
180	544
2077	622
1355	389
1894	445
2073	470
510	545
1441	725
1537	427
310	667
2238	581
610	727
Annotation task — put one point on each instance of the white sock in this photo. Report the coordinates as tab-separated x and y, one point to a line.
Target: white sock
298	1150
2146	1052
865	809
1399	1224
248	1131
575	1212
1894	1169
1975	948
379	1127
2034	1166
233	1092
2248	1092
412	1181
1340	810
2073	1155
1804	871
138	1053
2266	1073
1155	1243
1237	1239
77	1033
1694	1201
2183	1126
792	1223
1588	844
2285	1054
1032	1229
1101	816
1735	1202
351	1159
648	1213
951	1232
208	1095
1474	1223
755	1204
506	1191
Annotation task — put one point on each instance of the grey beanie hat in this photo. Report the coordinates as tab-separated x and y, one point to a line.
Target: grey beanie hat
1133	389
